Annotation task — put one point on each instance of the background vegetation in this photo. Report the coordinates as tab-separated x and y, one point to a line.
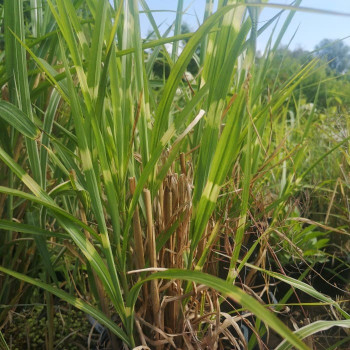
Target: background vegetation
196	198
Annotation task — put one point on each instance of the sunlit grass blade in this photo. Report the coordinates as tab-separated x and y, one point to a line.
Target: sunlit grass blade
163	109
177	29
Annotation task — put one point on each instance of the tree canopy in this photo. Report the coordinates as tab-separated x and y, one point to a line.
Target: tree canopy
336	53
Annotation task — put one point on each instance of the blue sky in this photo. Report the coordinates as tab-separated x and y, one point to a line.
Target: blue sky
312	27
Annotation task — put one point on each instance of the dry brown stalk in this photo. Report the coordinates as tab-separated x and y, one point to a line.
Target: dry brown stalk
168	198
138	242
183	163
168	339
140	332
173	180
138	239
160	208
152	256
181	231
3	198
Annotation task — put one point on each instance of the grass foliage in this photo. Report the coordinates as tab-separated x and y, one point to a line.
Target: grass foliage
122	190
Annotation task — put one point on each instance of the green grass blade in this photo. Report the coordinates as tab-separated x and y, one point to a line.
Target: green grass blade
76	302
161	119
314	328
177	29
95	56
15	117
303	287
3	343
29	229
17	71
47	128
49	205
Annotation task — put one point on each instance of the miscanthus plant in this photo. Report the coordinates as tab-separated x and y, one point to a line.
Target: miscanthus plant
128	184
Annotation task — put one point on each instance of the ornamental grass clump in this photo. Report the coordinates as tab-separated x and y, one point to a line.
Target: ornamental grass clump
127	185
